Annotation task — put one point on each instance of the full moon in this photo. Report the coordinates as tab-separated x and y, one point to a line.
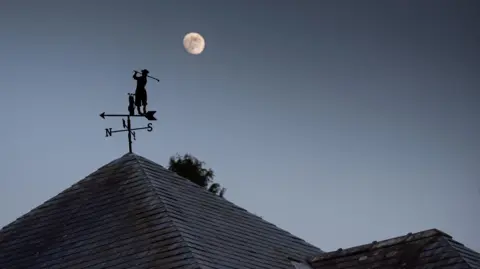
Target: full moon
194	43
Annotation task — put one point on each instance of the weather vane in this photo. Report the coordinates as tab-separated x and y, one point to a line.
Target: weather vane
138	99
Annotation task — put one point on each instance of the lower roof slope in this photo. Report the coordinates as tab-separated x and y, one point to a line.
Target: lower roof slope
430	249
133	213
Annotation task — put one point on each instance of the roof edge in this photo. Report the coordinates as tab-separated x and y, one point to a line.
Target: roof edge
410	237
461	249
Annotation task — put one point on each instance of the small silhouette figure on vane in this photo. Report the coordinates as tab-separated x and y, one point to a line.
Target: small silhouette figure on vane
141	91
131	104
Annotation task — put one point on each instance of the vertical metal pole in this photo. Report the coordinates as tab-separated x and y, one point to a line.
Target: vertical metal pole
129	130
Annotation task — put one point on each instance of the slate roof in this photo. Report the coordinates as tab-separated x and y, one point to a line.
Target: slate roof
430	249
133	213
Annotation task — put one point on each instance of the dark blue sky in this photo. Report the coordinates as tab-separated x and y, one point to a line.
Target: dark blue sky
342	122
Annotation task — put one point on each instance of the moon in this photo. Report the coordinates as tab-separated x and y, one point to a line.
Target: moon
194	43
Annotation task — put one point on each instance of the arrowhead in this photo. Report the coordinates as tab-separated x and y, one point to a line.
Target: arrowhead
102	115
149	115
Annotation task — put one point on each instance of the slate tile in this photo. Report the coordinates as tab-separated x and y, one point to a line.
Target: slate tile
431	249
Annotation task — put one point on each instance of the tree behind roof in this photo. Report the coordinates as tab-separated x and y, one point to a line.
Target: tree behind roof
191	168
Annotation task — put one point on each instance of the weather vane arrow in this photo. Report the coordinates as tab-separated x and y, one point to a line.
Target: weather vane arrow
149	115
127	126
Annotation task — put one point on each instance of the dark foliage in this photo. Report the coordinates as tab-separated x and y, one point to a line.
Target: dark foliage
214	188
192	169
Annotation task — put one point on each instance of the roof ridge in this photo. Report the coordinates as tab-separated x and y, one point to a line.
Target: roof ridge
161	203
381	244
271	225
73	187
459	253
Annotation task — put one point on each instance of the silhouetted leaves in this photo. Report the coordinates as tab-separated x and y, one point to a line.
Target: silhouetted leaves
214	188
192	169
